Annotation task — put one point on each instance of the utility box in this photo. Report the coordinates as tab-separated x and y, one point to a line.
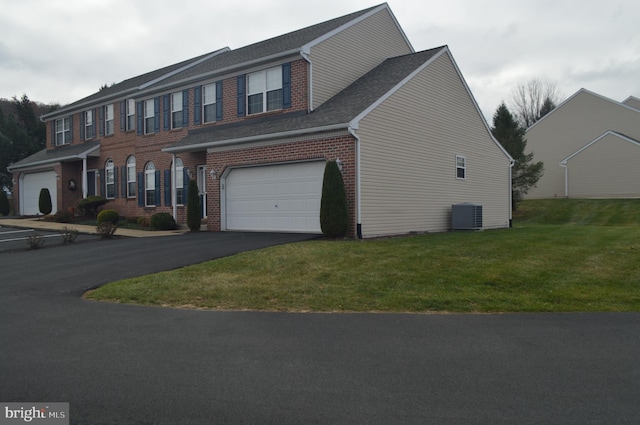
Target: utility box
466	216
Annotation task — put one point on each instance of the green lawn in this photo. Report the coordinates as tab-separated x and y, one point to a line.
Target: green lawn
577	265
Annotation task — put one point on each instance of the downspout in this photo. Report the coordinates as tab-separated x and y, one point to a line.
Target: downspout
305	56
358	192
173	187
512	162
563	164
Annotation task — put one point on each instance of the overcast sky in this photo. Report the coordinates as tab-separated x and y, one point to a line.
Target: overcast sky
63	50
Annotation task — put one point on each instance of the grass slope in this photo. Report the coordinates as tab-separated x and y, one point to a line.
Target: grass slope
589	262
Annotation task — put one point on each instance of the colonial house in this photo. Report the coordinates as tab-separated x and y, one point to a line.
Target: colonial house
255	127
590	146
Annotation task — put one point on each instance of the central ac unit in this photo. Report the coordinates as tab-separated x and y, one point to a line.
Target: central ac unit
466	216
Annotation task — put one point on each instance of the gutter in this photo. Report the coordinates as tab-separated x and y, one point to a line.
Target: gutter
36	164
261	137
358	184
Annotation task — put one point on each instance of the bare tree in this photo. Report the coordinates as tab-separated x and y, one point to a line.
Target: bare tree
534	99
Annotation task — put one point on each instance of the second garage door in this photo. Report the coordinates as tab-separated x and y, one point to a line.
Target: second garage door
275	198
30	192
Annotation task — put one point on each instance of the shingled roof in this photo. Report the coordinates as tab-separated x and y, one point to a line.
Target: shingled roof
222	59
61	154
337	112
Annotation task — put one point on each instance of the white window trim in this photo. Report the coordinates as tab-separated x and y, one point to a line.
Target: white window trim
176	107
131	165
88	125
149	172
130	123
462	167
149	105
108	120
178	181
260	85
61	133
109	179
205	104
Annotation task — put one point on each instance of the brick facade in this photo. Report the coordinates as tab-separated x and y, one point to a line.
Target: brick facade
148	148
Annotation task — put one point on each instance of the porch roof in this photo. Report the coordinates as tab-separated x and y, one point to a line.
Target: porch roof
53	156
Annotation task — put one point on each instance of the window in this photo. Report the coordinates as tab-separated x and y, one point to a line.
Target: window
131	116
88	125
176	110
108	120
63	131
179	182
461	167
131	177
110	179
209	103
149	116
264	90
150	184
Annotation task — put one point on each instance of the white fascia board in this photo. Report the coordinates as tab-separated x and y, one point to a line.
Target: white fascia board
261	137
81	155
307	47
355	122
596	140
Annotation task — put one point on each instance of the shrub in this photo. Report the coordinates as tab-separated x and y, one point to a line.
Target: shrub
59	217
108	216
163	221
35	240
4	203
133	220
106	229
143	222
194	209
334	215
44	202
90	204
68	235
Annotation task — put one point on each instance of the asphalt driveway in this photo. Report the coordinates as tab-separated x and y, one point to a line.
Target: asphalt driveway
119	364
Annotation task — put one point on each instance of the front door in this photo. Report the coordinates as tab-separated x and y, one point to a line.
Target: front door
202	188
91	183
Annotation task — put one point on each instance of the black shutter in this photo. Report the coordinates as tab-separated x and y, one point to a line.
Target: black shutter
185	108
123	184
241	96
197	105
156	107
140	117
219	116
167	188
141	189
157	188
286	85
123	116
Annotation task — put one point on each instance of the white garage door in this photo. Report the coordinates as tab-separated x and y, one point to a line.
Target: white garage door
280	198
30	194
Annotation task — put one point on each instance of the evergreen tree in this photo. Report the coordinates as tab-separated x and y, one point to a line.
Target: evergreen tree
194	209
4	203
510	134
44	203
334	213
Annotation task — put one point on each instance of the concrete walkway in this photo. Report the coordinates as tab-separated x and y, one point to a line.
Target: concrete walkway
39	224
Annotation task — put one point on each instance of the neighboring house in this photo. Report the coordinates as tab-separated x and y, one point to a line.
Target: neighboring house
255	127
590	147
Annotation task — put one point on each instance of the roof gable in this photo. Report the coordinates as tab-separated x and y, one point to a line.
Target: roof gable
573	97
596	140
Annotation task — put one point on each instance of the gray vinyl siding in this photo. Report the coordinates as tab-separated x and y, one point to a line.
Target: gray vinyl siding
573	125
346	56
633	102
409	183
618	176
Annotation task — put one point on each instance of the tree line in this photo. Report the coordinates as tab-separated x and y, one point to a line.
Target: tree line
21	132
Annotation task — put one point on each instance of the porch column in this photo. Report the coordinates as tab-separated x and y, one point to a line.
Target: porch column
84	177
173	187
